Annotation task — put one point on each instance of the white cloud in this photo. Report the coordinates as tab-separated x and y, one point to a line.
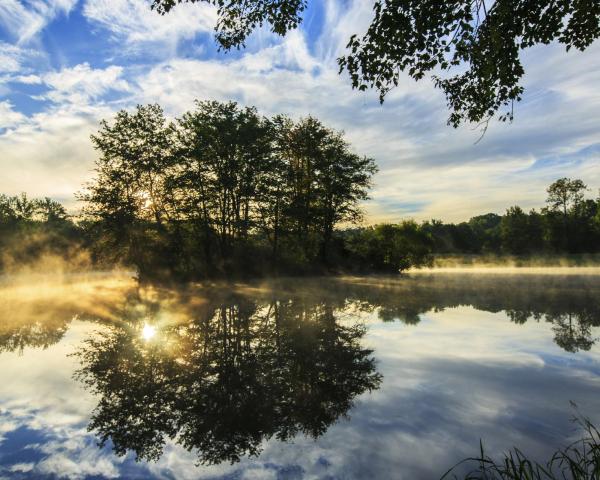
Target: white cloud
132	22
50	153
29	79
341	21
9	61
22	467
15	59
25	19
82	84
9	118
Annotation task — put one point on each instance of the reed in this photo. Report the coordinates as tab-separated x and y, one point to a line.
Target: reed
580	460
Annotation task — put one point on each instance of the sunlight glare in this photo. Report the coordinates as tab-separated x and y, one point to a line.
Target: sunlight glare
148	332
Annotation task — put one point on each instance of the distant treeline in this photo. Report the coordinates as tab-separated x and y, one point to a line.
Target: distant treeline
33	229
223	191
568	224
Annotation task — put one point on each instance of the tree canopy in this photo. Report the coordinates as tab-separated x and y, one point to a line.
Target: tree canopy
221	188
286	212
480	41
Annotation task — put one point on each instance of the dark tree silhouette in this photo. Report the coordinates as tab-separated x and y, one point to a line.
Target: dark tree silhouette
481	39
222	191
240	372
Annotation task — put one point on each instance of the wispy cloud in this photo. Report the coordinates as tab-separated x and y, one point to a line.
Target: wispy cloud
135	26
427	169
25	19
9	118
83	84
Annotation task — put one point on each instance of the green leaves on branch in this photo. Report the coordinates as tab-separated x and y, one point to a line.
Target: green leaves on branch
481	41
221	187
238	19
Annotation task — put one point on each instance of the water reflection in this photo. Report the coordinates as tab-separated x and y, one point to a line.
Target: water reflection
235	374
222	370
570	304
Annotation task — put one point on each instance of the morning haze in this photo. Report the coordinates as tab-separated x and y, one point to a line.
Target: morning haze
299	240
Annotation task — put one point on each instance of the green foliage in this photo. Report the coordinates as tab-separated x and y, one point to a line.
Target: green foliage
565	194
518	231
238	19
569	224
389	248
481	40
222	191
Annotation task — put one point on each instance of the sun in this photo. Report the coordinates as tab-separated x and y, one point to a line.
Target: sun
148	332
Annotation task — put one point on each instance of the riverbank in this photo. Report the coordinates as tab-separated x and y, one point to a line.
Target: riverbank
584	264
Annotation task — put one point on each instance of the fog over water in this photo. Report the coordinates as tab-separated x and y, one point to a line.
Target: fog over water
354	377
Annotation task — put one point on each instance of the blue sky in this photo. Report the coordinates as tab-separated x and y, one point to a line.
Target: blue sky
66	64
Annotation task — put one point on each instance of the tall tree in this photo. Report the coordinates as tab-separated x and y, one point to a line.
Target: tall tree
514	229
229	148
327	183
127	195
565	194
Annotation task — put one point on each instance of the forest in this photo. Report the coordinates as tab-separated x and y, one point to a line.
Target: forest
225	192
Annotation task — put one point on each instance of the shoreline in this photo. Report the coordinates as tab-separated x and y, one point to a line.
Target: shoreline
507	270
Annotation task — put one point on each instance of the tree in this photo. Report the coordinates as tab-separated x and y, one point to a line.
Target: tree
480	39
23	208
564	199
226	153
565	194
127	197
514	231
328	181
51	211
485	227
390	248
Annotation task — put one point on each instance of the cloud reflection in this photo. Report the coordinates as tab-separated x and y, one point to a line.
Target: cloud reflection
271	368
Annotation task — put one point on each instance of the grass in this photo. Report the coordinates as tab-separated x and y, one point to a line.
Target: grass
578	461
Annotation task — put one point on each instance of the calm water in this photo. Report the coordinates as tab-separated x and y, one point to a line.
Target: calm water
319	378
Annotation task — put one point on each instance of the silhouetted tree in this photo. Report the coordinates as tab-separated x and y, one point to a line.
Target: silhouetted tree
480	39
237	374
565	194
127	197
222	190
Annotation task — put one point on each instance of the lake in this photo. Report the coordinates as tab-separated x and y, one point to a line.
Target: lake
320	378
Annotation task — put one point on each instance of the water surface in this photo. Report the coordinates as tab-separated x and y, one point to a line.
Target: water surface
291	379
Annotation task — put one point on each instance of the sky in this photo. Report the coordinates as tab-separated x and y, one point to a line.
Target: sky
67	64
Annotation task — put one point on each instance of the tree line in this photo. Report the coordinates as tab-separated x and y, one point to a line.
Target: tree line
223	191
568	224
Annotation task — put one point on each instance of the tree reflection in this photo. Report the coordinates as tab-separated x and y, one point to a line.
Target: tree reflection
16	336
238	373
570	304
572	332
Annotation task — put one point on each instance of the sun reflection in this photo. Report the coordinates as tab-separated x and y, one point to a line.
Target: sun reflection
148	332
